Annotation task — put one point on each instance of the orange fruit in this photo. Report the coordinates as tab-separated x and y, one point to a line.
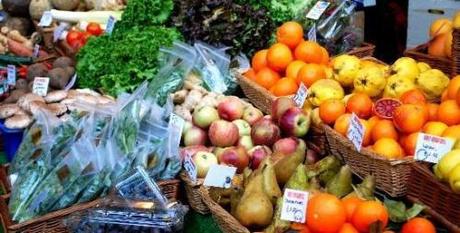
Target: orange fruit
452	132
279	56
360	104
432	111
409	142
250	74
293	68
350	205
367	213
298	226
444	96
309	52
413	96
259	60
348	228
330	110
388	148
290	34
449	112
384	129
310	73
325	213
367	133
341	124
453	87
267	77
373	121
410	118
325	58
435	128
418	225
457	98
437	47
285	86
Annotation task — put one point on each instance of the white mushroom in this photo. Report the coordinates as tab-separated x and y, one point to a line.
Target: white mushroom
88	92
36	106
57	108
55	96
8	110
18	122
24	101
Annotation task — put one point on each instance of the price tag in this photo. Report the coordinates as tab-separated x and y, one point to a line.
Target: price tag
13	178
368	3
40	86
190	167
312	33
294	205
58	31
219	176
71	82
301	95
36	50
46	19
11	75
110	25
317	10
175	128
356	132
431	148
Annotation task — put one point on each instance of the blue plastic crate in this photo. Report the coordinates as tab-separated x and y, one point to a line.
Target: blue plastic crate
12	138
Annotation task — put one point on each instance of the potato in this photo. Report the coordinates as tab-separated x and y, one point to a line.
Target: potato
69	71
14	97
36	70
16	7
65	5
23	25
58	78
37	7
63	62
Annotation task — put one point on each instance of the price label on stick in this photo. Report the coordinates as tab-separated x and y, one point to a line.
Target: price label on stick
356	132
317	10
46	19
190	167
11	75
301	95
219	176
58	31
40	86
312	33
110	25
36	51
431	148
294	205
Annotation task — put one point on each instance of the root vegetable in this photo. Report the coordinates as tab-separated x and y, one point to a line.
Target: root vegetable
36	70
23	25
63	62
14	97
179	96
37	7
3	49
21	84
19	49
15	35
192	100
66	5
4	30
58	78
183	112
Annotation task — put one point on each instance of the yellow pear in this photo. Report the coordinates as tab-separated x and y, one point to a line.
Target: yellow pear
397	85
370	80
448	45
346	68
422	66
432	82
325	89
406	67
440	26
454	179
315	118
456	20
447	163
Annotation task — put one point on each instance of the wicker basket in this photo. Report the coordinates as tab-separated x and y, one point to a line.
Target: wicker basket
192	191
391	175
456	51
258	95
366	50
317	140
441	202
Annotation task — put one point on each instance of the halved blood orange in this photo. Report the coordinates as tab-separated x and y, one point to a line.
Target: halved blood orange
385	107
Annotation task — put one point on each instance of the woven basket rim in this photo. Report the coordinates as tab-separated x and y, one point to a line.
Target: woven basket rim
186	179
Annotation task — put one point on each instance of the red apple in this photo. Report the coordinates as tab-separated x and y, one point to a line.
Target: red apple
235	157
252	115
203	161
223	133
265	132
230	108
281	105
257	154
294	122
245	142
192	150
195	136
204	116
286	145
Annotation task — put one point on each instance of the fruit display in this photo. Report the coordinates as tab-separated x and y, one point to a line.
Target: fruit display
440	44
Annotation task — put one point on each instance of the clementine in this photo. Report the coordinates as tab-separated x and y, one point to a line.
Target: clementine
293	68
330	110
259	60
384	129
309	52
452	132
290	34
367	138
310	73
418	225
284	87
413	96
444	96
457	98
341	124
267	77
373	121
410	118
409	143
360	104
449	112
453	87
348	228
279	56
434	128
250	74
325	58
432	111
368	213
325	213
388	148
350	205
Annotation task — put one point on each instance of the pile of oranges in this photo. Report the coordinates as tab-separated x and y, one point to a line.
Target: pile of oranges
328	214
289	62
396	137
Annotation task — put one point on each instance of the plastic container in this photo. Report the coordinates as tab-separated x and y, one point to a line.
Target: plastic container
12	138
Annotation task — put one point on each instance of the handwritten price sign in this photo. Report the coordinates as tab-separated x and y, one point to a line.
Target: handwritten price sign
301	95
355	132
294	205
190	167
431	148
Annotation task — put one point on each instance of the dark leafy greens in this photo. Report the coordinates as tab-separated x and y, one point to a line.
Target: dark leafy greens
146	13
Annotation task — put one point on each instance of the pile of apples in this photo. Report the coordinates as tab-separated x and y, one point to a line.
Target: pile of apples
234	135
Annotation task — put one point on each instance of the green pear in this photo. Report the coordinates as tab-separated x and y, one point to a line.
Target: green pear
365	190
235	198
277	224
328	163
271	186
340	185
299	179
286	166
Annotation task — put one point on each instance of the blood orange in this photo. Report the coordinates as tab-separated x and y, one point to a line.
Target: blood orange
384	108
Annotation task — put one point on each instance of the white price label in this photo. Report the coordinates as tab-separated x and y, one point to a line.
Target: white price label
219	176
13	178
46	19
317	10
110	25
301	95
71	82
294	205
36	51
190	167
312	33
355	132
11	75
58	31
431	148
40	86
